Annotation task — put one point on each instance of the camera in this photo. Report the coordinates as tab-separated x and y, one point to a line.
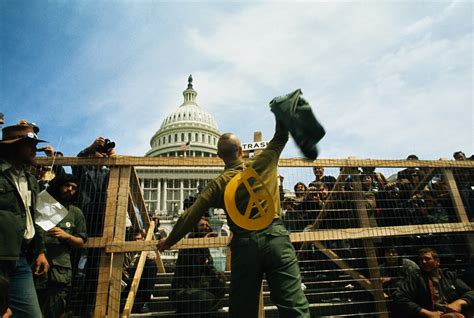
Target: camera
108	144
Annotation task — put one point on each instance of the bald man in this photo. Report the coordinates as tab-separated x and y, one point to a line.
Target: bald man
254	252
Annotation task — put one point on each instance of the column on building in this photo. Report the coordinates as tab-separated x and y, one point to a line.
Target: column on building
164	195
158	197
181	194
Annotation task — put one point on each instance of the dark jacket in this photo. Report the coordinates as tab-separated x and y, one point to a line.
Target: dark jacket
195	270
92	196
413	294
13	219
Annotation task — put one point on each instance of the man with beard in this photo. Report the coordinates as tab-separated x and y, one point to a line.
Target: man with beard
21	241
69	232
197	286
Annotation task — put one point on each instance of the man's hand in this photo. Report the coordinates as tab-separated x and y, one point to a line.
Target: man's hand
430	314
91	151
98	142
456	306
59	233
162	245
8	313
111	152
48	150
42	265
385	280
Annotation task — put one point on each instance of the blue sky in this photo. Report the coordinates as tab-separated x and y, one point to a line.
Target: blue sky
385	78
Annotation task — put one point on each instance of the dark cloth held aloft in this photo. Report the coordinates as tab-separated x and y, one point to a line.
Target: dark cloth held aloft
297	116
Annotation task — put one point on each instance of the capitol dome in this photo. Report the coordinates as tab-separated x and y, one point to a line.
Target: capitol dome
189	131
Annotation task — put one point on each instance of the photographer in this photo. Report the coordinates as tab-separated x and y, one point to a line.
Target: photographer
101	147
93	184
93	181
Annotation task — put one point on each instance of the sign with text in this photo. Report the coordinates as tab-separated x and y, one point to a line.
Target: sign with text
257	145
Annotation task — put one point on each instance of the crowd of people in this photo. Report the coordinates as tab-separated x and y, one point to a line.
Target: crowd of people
47	217
415	196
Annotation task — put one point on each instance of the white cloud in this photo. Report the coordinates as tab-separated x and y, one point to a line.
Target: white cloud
419	26
385	79
381	86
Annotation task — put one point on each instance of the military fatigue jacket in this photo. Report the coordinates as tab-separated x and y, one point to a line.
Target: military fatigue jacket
59	249
265	164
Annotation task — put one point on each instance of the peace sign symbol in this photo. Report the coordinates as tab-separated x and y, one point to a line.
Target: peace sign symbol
246	220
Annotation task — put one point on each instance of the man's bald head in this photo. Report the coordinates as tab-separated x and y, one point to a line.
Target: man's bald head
229	147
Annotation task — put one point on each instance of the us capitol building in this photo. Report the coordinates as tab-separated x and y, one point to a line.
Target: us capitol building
188	131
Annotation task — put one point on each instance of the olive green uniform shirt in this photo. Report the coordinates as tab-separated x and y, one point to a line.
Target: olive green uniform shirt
59	250
265	164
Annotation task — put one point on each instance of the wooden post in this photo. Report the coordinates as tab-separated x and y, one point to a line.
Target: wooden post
132	206
329	201
119	235
429	172
459	206
138	274
105	259
228	255
358	277
261	304
455	196
369	248
228	258
138	198
257	136
159	263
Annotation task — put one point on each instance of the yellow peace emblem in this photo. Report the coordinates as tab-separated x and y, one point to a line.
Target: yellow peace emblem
247	219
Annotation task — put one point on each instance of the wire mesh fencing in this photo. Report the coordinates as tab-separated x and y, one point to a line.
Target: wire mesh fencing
356	226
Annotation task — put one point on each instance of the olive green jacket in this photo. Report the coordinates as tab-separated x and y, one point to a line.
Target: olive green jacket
13	219
265	164
59	250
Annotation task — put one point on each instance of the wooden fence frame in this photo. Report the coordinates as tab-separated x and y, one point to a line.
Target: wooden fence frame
123	191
